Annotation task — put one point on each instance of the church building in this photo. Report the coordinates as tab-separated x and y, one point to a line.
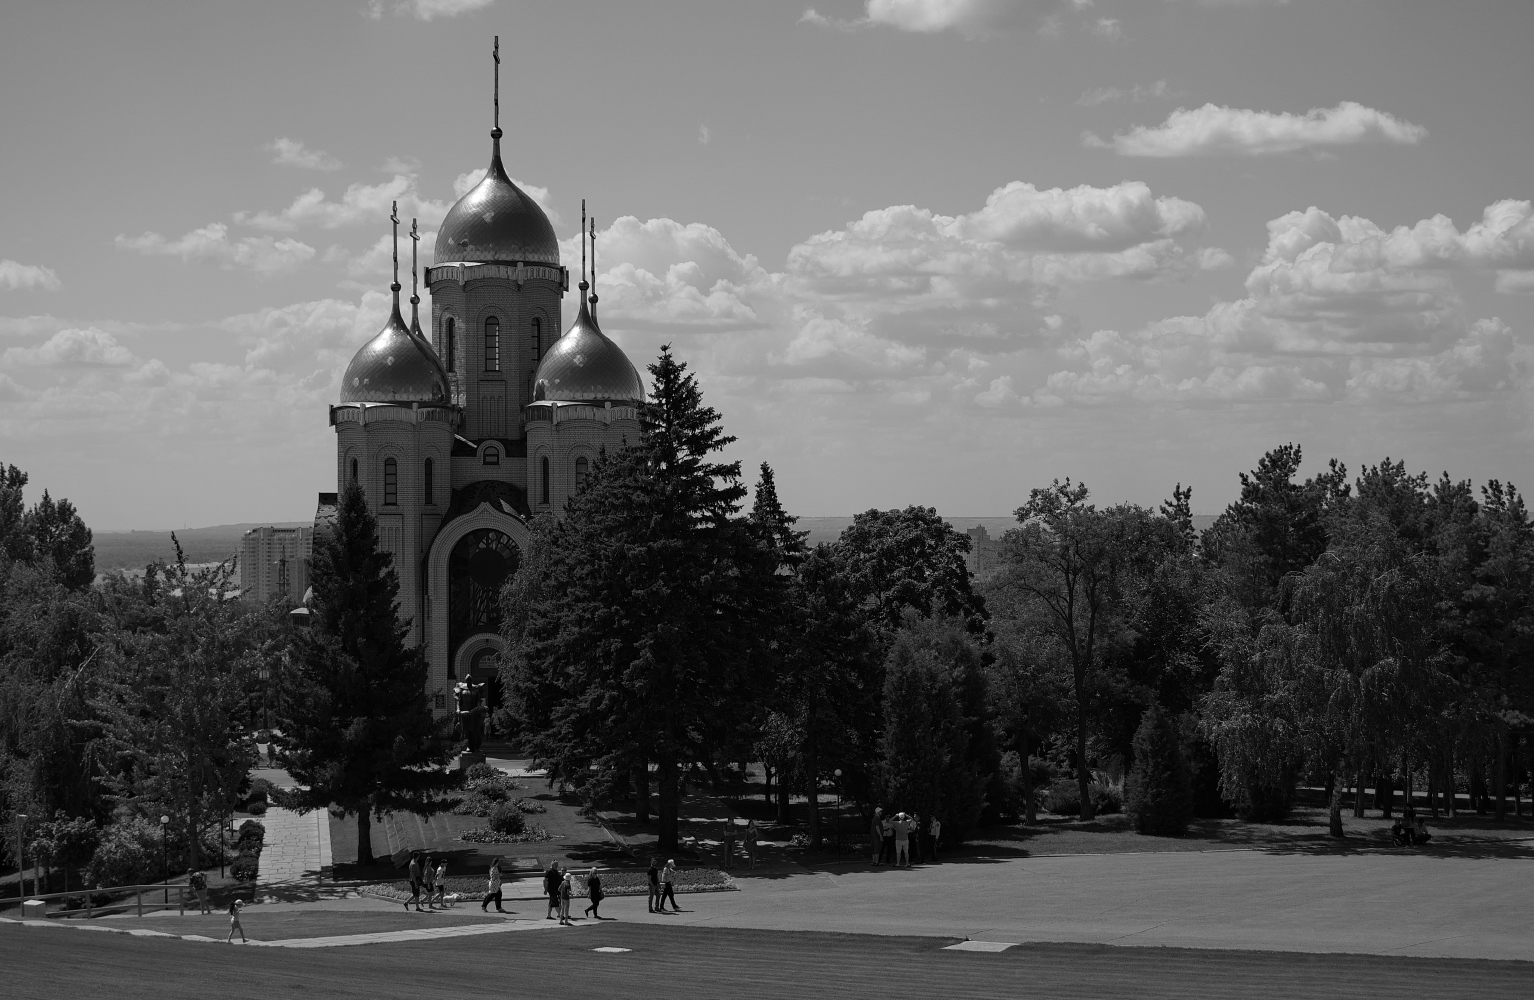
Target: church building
459	437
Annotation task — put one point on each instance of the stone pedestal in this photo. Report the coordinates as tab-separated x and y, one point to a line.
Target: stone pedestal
34	909
467	760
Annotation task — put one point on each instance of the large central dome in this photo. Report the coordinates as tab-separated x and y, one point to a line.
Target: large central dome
497	221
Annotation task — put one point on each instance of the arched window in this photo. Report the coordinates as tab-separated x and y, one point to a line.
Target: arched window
354	472
391	482
581	468
544	468
492	456
427	483
492	345
537	341
452	344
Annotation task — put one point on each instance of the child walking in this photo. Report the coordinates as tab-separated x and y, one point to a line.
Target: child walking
442	884
566	887
234	922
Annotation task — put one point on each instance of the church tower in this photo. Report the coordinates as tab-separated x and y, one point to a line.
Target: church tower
460	436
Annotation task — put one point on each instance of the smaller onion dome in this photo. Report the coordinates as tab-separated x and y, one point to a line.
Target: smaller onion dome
395	367
584	365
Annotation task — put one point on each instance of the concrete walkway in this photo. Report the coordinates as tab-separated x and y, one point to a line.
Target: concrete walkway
296	849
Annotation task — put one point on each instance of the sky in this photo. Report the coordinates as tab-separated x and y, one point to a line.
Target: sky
934	252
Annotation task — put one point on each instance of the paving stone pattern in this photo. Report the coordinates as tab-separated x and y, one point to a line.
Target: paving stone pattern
295	849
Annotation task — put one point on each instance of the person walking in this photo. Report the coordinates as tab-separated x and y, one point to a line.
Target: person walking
566	889
415	880
654	901
934	831
594	893
728	839
198	883
442	884
750	842
551	880
428	881
234	922
493	890
876	835
668	887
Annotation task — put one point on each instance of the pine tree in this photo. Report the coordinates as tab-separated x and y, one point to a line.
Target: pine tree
358	733
776	524
1158	794
640	640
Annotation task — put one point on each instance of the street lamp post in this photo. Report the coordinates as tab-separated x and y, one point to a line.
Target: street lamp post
838	810
21	834
165	854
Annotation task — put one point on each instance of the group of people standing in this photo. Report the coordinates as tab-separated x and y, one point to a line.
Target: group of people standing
433	880
892	838
727	843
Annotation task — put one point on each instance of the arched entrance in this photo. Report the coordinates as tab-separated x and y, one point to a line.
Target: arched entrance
480	564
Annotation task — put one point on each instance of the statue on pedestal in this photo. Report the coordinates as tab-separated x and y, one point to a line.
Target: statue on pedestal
469	701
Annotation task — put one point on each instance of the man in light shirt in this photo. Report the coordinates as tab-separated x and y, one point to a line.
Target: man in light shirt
903	827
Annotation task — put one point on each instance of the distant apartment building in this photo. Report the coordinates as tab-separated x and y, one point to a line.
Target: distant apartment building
274	563
984	556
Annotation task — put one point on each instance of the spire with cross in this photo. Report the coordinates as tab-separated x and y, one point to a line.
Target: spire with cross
415	296
394	218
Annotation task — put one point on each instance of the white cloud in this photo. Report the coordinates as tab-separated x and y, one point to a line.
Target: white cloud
1159	90
427	10
292	153
88	348
14	275
1213	129
705	136
377	261
1108	27
262	254
360	204
1239	3
969	18
1339	309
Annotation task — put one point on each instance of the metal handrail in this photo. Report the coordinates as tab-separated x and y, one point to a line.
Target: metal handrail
137	890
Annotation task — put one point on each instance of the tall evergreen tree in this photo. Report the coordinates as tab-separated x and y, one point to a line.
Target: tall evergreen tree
643	639
358	732
1158	794
776	524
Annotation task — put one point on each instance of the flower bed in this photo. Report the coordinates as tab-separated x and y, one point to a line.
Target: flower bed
533	834
620	882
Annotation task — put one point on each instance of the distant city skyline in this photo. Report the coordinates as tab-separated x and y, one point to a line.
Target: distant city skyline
917	252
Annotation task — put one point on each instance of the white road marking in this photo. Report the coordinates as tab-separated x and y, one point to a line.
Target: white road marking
612	951
992	946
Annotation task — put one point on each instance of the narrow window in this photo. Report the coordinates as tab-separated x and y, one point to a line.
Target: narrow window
581	468
427	483
537	341
391	482
544	468
492	456
354	472
492	345
452	344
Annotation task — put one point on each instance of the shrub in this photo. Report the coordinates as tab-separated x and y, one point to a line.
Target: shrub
1159	790
482	771
1063	798
251	830
245	867
530	806
261	789
507	819
128	854
256	807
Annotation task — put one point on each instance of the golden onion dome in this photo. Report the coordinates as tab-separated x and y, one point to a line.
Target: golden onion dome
585	366
395	367
496	221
